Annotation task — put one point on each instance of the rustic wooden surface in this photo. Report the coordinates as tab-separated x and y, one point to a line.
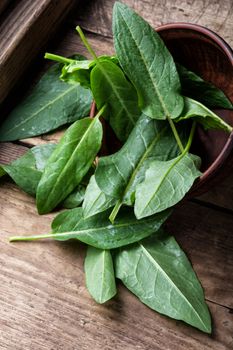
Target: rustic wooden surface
43	300
28	22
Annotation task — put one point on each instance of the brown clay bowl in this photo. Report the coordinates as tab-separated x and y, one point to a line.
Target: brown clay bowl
207	54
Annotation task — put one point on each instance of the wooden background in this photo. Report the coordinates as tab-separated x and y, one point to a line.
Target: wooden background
43	300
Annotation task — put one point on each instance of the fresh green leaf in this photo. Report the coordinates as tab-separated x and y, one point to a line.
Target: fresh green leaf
203	91
197	111
118	175
2	171
110	86
148	64
79	71
165	184
96	201
51	104
69	163
98	232
158	272
26	171
75	198
99	272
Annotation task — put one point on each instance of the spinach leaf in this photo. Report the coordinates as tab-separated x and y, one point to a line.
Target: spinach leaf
98	232
119	174
110	86
96	201
165	184
77	69
75	198
69	163
100	277
148	64
195	87
26	171
158	272
51	104
200	113
2	171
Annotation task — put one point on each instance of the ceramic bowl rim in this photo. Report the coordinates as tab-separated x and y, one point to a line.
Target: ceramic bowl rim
225	47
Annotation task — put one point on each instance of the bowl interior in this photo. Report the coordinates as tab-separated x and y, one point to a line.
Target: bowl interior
206	54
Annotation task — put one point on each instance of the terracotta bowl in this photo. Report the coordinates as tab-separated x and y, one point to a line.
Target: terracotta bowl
205	53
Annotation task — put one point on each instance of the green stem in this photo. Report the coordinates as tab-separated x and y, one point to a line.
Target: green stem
175	133
58	58
85	42
190	139
115	211
101	111
34	238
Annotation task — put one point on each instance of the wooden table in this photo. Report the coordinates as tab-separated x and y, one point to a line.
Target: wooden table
43	300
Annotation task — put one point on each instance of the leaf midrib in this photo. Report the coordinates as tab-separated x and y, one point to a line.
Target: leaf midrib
123	106
167	277
103	275
163	179
41	109
166	112
93	121
134	174
108	227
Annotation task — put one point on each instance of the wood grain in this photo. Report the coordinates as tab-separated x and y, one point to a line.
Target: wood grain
43	300
10	152
216	15
44	281
22	35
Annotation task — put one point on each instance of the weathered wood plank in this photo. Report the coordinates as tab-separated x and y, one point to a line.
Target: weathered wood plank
43	283
10	152
216	15
221	195
22	35
206	235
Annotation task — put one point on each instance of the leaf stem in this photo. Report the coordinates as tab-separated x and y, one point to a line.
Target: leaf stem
86	43
101	111
33	238
58	58
190	139
115	211
175	133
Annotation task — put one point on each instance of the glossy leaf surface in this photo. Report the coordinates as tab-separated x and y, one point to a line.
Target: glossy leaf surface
26	171
51	104
75	198
203	91
98	232
118	175
69	163
79	71
203	115
99	272
165	184
148	64
96	201
158	272
110	86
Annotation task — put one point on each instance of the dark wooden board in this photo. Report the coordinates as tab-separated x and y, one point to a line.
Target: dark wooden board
23	32
44	299
96	16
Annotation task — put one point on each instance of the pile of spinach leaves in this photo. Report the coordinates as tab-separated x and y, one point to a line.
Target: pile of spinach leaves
153	106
